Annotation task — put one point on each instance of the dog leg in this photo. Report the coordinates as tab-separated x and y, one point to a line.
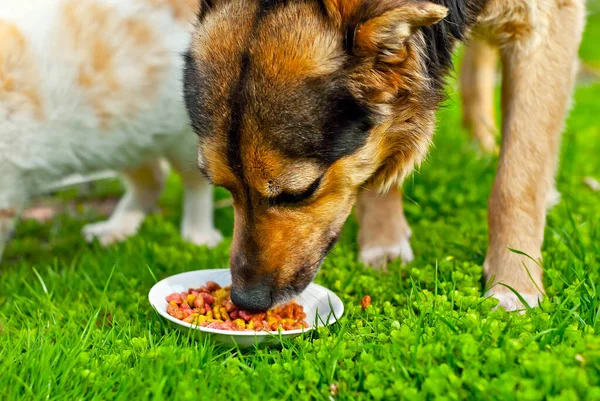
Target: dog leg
144	186
14	193
539	72
7	223
477	83
197	223
384	232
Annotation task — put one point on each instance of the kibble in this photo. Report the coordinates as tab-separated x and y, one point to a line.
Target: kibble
210	306
365	302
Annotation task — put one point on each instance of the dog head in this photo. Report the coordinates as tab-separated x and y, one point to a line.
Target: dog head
299	103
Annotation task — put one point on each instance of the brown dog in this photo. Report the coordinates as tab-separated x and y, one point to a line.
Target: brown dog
305	107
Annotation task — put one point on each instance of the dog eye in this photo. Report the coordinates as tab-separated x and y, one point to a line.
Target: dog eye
288	198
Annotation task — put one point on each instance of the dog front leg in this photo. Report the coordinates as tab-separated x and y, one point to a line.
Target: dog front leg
384	232
539	71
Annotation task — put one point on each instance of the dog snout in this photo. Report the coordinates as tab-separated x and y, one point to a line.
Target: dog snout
253	297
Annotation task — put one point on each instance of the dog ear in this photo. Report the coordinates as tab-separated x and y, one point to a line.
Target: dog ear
380	28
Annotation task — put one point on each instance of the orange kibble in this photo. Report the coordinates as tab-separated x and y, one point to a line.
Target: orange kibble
365	302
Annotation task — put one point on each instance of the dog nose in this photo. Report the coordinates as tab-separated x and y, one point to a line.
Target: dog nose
255	297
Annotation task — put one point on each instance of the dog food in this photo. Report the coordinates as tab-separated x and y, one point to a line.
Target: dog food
365	302
211	306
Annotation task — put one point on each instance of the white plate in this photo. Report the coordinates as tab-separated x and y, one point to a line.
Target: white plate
322	307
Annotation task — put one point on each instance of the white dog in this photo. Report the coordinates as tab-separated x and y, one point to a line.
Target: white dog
88	85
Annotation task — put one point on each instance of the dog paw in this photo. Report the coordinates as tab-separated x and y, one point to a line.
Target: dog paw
108	232
209	238
509	301
379	256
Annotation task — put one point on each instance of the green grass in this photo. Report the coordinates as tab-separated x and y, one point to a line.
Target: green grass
75	322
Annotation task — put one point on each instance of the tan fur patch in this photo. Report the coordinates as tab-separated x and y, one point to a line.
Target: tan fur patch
306	55
507	21
102	40
220	172
19	76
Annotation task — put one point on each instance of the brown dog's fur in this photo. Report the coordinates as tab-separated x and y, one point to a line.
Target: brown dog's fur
302	104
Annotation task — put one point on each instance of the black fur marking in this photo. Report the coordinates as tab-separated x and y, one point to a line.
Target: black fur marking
321	120
205	7
237	105
267	6
349	36
441	37
192	93
323	9
346	126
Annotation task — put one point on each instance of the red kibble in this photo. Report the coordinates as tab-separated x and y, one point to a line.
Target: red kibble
175	297
209	299
245	315
212	286
235	314
365	302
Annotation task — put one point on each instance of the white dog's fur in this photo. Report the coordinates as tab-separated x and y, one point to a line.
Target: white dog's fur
88	85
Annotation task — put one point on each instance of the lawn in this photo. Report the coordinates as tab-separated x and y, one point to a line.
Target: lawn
75	322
